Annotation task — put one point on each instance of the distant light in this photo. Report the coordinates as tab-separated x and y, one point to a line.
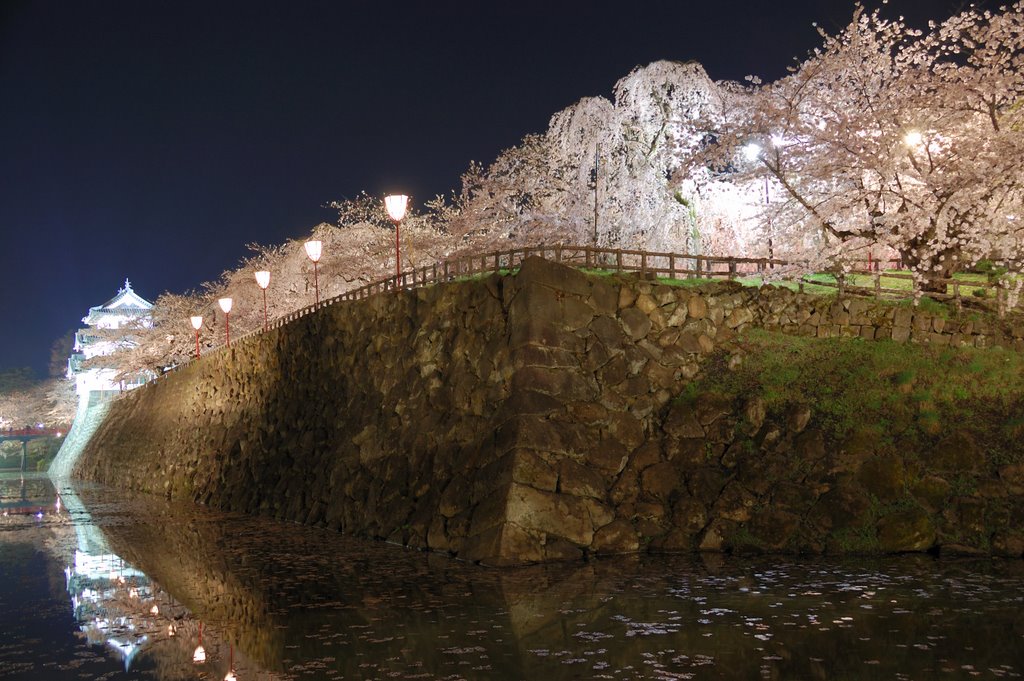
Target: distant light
752	151
170	629
263	279
60	433
396	205
314	248
196	322
778	141
225	304
39	515
913	138
199	656
155	610
230	676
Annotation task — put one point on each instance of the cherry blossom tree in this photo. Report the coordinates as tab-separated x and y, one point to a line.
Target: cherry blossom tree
603	171
887	137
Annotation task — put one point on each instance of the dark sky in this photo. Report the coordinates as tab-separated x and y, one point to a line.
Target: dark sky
153	140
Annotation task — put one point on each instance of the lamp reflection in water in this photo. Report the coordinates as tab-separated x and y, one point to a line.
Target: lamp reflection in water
230	676
199	656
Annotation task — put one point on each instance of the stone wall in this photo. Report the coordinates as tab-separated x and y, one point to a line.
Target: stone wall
532	418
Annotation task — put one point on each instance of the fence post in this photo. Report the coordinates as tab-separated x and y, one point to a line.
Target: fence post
841	282
697	266
618	260
732	270
643	264
672	265
878	285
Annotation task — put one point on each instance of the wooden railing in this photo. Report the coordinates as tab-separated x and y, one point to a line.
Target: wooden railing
998	300
645	263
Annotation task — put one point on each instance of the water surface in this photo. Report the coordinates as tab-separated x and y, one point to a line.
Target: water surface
94	585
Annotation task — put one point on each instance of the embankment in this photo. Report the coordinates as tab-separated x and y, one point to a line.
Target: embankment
552	414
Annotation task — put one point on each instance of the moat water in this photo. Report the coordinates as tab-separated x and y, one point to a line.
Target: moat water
94	585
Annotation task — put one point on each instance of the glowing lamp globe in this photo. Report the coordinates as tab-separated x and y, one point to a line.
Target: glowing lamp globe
396	205
197	322
199	656
313	249
230	676
752	151
263	279
225	305
913	138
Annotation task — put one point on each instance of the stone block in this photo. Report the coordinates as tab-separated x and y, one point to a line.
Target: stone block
635	323
536	270
617	536
580	481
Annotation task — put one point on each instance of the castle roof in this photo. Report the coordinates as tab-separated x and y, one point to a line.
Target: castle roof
127	303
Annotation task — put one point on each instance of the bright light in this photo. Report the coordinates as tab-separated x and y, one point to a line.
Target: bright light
263	279
155	610
313	249
396	205
196	322
225	305
778	141
752	151
230	676
913	138
170	629
199	656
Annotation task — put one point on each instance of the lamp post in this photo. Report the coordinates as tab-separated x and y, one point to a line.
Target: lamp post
197	322
263	281
314	248
225	305
396	205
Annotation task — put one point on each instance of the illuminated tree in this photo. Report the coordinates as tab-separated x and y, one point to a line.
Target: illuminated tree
602	173
888	138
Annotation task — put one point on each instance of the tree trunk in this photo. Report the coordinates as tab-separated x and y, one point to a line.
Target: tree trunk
931	279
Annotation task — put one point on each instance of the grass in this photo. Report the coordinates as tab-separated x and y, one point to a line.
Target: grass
879	388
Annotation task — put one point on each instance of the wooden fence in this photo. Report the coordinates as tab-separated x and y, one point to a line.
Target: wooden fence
646	263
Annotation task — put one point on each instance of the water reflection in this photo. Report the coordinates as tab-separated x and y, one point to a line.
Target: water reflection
283	601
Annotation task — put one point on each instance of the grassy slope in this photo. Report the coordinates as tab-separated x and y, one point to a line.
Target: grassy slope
906	395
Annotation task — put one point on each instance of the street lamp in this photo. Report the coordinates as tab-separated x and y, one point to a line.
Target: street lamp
314	248
263	281
225	305
197	322
396	205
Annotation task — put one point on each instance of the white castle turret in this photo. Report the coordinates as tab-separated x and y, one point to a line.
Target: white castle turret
124	310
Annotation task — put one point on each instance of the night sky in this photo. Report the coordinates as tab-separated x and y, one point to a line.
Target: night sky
153	140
